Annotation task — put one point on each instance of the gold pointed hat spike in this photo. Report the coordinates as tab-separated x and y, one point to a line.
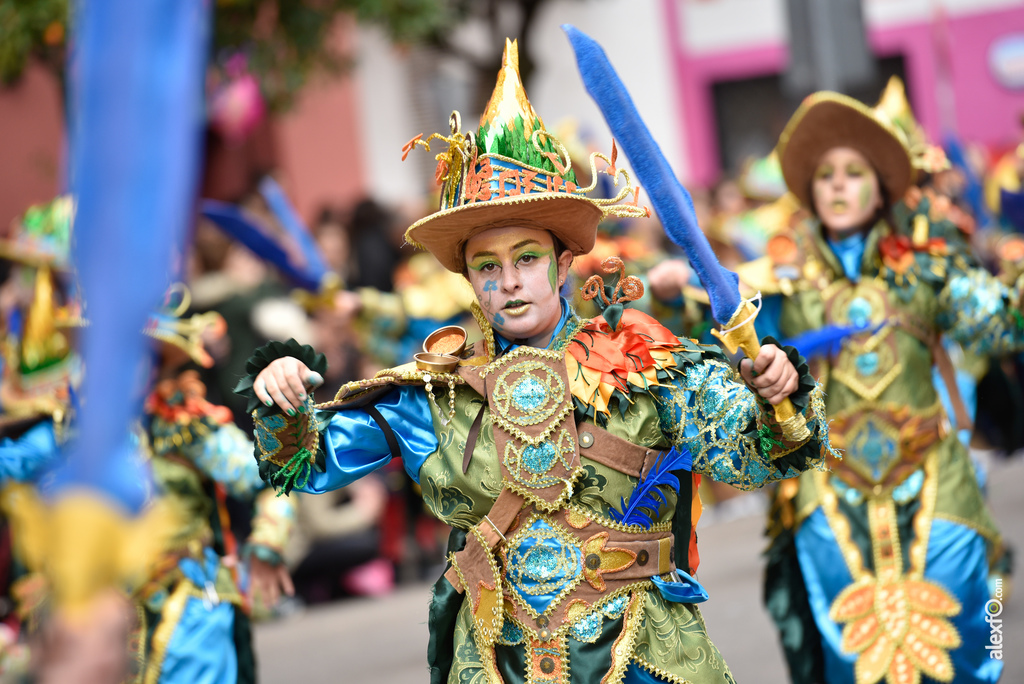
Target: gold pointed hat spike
508	101
893	107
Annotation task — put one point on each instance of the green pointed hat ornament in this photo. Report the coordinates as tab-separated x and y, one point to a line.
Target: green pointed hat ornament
512	172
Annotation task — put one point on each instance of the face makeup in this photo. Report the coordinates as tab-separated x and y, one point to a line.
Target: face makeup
516	274
846	191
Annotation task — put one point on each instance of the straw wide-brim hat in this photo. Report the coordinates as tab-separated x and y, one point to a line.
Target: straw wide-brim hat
826	120
572	219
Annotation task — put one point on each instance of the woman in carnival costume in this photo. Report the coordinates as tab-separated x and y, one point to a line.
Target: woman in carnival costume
562	451
193	615
879	569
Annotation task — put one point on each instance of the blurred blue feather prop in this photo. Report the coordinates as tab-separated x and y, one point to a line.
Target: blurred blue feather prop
670	199
306	269
824	341
974	193
646	499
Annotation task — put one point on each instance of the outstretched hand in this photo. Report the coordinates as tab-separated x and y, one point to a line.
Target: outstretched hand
771	374
285	382
268	582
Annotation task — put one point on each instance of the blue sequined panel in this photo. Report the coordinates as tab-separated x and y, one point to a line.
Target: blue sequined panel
531	466
872	448
542	564
906	491
851	495
859	312
529	394
614	608
867	363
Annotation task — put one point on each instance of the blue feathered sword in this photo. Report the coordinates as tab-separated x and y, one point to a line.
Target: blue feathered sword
675	209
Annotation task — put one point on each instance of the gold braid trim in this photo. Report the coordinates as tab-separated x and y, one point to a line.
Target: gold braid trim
593	516
622	649
925	516
485	328
658	672
170	616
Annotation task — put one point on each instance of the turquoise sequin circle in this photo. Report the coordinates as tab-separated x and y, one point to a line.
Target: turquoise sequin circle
530	465
528	393
539	459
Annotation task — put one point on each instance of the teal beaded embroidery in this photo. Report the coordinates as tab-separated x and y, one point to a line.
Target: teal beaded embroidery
529	394
538	459
266	433
587	628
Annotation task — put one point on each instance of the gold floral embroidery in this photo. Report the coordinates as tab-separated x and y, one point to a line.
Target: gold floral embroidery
896	622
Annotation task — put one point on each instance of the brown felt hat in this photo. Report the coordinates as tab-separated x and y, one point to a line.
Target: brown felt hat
826	120
512	172
571	218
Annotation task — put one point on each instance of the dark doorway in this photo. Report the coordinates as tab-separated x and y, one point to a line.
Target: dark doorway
750	113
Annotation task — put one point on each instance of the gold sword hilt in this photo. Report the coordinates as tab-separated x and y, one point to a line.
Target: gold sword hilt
740	335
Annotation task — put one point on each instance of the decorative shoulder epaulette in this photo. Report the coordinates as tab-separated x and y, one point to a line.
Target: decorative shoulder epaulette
606	364
362	392
180	415
925	245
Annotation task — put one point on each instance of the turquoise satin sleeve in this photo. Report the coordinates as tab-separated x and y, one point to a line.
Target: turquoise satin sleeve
355	445
30	455
226	456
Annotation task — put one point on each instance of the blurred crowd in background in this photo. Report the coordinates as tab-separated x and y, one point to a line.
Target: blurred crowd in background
382	298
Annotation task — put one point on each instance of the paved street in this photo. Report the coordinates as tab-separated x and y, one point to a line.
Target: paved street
384	640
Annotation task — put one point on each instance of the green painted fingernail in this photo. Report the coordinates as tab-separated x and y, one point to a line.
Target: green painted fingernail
291	412
268	402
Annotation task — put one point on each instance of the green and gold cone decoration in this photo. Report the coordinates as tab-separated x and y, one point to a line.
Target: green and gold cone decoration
511	128
42	236
40	363
894	108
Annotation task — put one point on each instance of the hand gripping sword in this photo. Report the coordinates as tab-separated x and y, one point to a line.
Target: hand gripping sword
675	209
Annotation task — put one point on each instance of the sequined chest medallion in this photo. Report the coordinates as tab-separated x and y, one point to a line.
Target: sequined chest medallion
534	430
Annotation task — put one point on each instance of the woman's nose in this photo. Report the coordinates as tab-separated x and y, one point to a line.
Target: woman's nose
510	279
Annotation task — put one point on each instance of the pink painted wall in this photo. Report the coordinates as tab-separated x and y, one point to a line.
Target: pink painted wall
985	110
321	152
982	110
318	143
31	136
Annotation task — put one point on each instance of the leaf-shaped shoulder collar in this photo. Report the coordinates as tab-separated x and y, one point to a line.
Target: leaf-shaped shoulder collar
639	354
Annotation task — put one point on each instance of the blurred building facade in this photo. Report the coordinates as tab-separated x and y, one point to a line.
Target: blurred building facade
707	75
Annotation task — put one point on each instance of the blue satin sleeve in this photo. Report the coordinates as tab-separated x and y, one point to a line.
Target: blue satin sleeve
30	455
355	444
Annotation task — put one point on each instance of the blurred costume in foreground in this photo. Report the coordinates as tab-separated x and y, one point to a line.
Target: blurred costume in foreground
567	468
193	618
880	568
41	370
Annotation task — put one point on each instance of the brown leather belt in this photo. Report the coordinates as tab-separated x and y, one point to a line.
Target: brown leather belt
918	433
